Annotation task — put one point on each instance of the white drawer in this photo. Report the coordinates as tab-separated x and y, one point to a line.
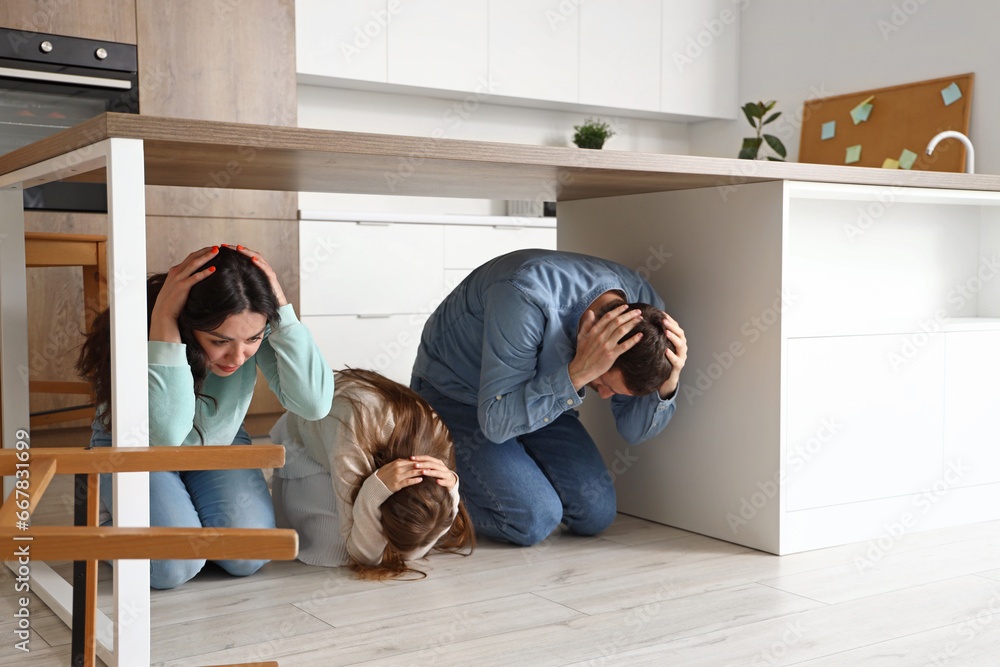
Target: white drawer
466	247
384	344
350	268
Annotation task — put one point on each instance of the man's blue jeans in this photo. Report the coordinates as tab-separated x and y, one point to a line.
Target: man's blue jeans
196	499
520	490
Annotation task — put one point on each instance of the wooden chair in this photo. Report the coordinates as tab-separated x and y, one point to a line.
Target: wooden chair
86	543
89	251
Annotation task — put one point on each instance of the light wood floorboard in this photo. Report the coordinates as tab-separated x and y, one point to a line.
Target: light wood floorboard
639	594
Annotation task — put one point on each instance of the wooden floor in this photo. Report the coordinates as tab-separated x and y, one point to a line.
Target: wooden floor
640	594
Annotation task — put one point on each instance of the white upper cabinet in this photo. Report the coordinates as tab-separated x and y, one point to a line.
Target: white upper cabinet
343	39
535	50
620	54
700	58
440	44
657	58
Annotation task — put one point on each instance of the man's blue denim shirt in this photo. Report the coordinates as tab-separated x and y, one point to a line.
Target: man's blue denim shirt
503	340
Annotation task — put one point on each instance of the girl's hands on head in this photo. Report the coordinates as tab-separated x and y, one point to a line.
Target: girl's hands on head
407	472
174	294
432	467
259	260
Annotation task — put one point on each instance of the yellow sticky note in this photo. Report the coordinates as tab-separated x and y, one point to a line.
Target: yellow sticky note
890	163
853	154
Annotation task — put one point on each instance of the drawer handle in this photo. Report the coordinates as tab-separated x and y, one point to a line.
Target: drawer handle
513	228
371	223
374	316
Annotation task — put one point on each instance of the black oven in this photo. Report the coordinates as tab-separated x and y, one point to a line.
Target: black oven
51	82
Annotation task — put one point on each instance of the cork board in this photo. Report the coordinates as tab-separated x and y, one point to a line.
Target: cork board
901	117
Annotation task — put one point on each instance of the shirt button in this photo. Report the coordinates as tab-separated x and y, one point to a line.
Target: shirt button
569	401
498	397
546	419
654	423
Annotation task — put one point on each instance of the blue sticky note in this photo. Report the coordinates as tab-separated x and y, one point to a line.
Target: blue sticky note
861	112
829	130
951	94
853	154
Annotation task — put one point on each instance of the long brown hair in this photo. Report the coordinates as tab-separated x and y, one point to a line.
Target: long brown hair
414	515
236	285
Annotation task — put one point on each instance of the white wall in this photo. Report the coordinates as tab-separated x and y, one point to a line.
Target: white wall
472	117
793	50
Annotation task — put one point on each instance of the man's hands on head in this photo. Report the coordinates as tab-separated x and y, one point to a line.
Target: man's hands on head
597	344
677	359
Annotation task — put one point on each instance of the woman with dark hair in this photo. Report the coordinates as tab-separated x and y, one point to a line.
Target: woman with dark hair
213	320
371	485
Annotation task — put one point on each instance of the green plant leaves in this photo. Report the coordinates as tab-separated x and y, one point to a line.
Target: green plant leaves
751	145
770	119
752	112
775	143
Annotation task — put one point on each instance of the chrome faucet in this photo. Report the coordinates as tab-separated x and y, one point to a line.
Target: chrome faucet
970	154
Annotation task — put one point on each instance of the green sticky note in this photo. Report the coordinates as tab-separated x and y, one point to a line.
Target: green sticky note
853	154
829	130
951	94
907	158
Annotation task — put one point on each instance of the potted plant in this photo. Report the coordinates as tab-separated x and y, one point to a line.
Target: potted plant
592	133
754	111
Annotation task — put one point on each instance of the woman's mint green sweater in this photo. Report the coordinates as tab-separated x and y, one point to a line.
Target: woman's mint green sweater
289	360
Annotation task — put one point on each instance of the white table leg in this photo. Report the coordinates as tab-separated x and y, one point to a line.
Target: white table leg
127	298
129	396
13	319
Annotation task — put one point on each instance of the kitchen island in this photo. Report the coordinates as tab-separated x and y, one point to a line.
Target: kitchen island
840	320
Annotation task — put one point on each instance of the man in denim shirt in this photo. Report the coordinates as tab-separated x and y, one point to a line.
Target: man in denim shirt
504	360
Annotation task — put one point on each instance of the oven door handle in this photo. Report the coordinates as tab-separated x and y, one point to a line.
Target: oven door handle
56	77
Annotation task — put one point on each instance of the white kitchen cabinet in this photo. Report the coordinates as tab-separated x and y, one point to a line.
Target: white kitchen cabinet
369	285
675	60
343	39
700	58
859	427
840	385
972	401
620	54
467	246
386	344
534	50
369	268
440	44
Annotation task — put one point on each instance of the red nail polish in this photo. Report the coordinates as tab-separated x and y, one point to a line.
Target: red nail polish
215	248
239	247
211	269
254	259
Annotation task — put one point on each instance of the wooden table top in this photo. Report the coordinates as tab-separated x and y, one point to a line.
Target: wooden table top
183	152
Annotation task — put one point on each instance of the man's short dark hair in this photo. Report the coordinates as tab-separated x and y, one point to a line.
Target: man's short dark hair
645	367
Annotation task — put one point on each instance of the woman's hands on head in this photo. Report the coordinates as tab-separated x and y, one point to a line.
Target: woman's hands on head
174	294
407	472
259	260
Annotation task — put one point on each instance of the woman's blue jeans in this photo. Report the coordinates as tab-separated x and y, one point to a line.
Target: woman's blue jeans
200	498
521	489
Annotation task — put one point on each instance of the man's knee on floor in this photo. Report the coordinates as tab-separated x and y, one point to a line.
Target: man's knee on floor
537	523
593	510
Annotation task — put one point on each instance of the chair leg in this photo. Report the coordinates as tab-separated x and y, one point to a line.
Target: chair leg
86	506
